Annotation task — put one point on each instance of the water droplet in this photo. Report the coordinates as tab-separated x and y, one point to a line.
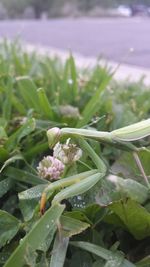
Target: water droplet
70	81
21	240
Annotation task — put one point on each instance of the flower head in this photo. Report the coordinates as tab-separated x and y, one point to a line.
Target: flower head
50	168
53	135
67	153
69	111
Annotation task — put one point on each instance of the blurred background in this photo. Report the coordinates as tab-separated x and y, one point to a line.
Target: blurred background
30	9
92	28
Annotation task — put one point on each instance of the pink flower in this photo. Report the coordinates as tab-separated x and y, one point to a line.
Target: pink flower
50	168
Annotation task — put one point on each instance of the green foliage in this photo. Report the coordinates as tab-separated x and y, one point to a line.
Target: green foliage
9	226
36	236
134	216
102	216
112	258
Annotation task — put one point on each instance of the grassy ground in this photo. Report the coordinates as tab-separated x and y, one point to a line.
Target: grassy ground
36	94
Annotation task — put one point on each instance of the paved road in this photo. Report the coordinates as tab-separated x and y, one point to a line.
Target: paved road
111	38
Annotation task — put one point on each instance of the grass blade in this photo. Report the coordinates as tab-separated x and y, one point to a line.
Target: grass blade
45	106
24	130
28	91
36	236
100	251
94	103
59	251
9	227
23	176
72	226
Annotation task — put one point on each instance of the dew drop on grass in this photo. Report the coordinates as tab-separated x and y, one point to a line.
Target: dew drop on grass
70	81
21	240
78	202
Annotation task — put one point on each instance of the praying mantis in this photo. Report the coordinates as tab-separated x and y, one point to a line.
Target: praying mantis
80	183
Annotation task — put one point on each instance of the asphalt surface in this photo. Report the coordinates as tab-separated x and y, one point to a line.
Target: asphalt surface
109	38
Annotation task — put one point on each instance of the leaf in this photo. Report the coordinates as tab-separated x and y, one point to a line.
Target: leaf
128	162
130	188
115	261
7	105
45	106
80	259
112	218
102	252
94	103
78	215
5	185
3	135
59	251
9	226
144	262
18	106
71	226
11	160
24	130
95	213
32	193
73	76
69	86
3	154
44	246
36	236
98	263
135	217
30	257
28	91
29	199
35	150
23	176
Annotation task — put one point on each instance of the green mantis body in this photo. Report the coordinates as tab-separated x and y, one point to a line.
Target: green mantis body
122	137
78	184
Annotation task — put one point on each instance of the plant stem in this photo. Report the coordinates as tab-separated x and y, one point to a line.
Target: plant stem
139	165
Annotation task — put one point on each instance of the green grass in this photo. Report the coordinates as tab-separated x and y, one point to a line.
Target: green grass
38	93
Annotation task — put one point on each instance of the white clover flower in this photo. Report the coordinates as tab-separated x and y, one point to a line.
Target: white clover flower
50	168
69	111
67	153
